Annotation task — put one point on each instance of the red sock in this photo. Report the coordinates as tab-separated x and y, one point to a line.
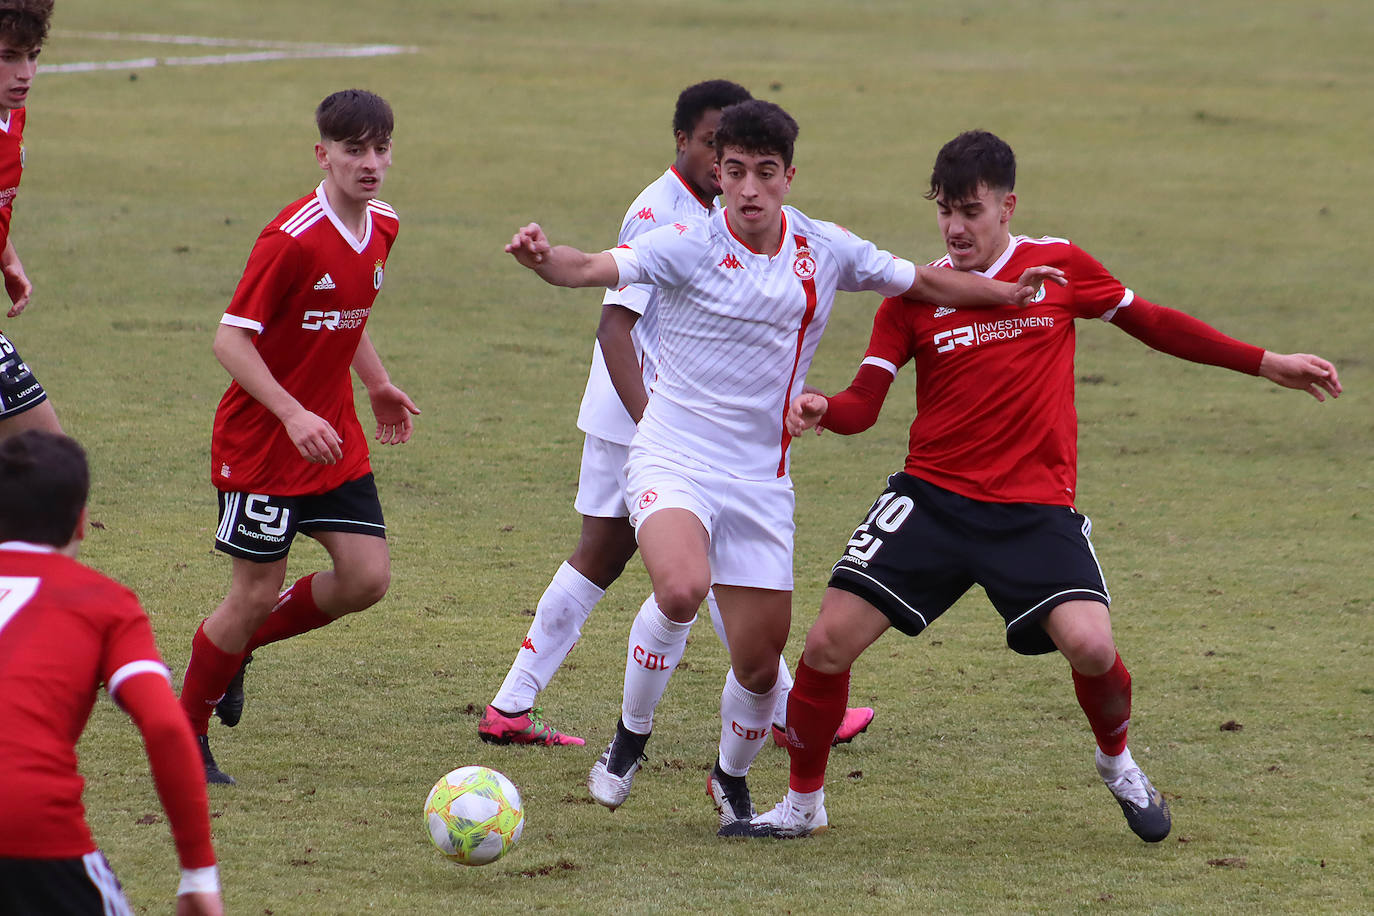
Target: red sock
1106	699
815	709
295	613
207	674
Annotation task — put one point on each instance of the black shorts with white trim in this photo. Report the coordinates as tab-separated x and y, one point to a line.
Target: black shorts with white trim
921	547
260	527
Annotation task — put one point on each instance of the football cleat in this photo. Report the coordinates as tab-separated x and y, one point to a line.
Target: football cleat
855	722
614	771
785	822
230	706
1147	813
213	774
730	795
528	727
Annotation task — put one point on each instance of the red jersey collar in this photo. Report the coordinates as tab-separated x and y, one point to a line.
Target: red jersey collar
708	204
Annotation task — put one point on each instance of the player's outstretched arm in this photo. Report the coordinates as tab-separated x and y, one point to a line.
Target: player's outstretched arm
313	436
805	412
16	281
561	265
175	763
961	289
1301	371
391	406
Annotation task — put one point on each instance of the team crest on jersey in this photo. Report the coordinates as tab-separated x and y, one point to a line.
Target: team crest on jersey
377	275
1040	294
804	264
648	498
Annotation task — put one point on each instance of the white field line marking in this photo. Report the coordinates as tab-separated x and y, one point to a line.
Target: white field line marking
267	51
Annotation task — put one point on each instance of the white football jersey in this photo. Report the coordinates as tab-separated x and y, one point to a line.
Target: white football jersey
737	330
667	200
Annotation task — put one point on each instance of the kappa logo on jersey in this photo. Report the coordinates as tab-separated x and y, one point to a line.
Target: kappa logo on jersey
325	282
988	332
730	262
942	311
648	498
377	275
681	228
528	643
647	213
804	264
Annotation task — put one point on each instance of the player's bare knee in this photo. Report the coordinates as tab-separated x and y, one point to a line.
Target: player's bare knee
679	599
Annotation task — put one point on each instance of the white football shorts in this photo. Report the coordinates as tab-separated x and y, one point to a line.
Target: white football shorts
749	522
601	483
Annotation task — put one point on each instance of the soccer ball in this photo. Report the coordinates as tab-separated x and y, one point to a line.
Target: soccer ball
474	815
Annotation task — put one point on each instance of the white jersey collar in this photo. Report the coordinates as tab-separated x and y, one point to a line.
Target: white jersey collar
358	245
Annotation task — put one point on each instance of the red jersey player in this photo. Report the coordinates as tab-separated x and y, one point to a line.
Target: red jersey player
287	453
987	492
23	26
65	630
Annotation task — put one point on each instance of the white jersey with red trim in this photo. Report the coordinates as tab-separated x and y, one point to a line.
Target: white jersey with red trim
667	200
738	329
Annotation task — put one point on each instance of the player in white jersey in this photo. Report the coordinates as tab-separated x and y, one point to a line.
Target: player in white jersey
745	296
626	341
613	402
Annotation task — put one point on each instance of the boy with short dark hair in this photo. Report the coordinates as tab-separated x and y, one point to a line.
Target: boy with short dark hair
288	454
23	28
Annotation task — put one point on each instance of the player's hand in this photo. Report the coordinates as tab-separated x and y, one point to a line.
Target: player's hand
529	246
206	903
1301	371
314	438
805	412
18	286
393	409
1032	279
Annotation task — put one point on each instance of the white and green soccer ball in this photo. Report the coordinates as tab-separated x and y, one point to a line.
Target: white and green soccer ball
474	815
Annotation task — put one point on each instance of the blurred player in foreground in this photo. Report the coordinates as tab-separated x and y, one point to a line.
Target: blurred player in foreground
746	294
624	364
23	27
65	630
987	492
287	453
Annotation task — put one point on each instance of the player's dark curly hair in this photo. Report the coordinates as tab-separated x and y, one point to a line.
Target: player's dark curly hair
24	23
758	128
697	99
354	114
973	158
44	482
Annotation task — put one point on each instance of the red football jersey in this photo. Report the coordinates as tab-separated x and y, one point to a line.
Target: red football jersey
11	167
64	630
307	292
995	416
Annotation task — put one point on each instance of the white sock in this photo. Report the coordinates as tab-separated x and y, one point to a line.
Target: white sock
744	720
783	690
655	647
557	626
807	801
1110	768
784	675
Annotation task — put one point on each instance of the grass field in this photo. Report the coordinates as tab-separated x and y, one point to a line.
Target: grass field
1214	155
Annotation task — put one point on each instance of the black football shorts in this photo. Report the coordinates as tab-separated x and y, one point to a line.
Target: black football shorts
921	547
19	390
260	527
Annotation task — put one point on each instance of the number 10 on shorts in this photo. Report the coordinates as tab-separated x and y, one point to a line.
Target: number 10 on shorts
887	513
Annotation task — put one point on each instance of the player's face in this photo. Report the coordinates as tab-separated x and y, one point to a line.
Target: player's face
696	155
17	67
754	186
355	168
975	229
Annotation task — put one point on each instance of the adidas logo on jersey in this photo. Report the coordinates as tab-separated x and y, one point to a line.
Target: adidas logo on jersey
325	282
943	310
731	262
